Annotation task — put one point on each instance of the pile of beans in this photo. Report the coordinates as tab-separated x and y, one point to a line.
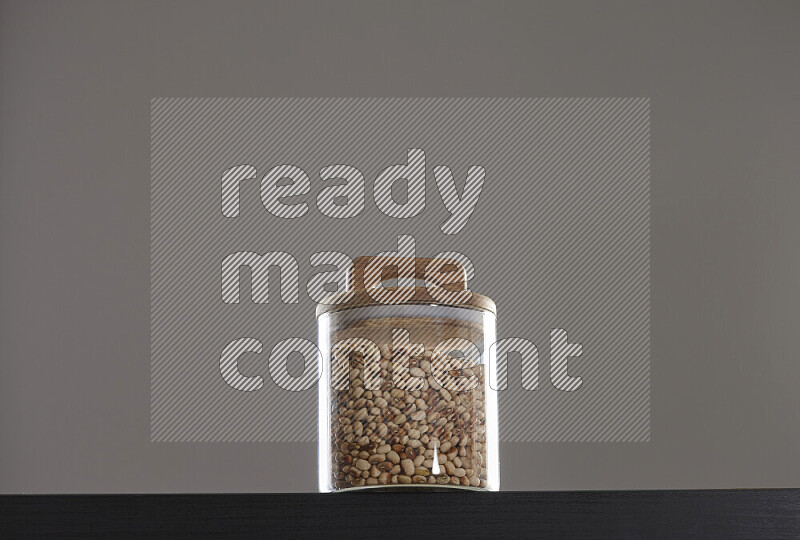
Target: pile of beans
391	436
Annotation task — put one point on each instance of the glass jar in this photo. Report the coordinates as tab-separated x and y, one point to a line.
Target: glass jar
404	397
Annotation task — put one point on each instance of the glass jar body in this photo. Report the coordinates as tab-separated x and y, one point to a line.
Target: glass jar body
406	400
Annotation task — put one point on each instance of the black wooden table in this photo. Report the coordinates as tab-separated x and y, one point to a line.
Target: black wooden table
596	514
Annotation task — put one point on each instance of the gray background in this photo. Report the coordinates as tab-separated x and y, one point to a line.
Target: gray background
77	79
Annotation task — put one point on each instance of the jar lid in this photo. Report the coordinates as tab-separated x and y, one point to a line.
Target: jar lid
446	279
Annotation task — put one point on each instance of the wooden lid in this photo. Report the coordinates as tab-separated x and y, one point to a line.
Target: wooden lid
446	279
